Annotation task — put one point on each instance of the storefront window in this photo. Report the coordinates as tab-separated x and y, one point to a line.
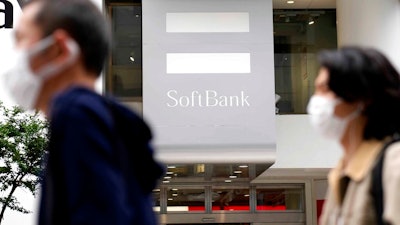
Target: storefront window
230	199
298	36
156	200
230	172
185	200
280	199
124	71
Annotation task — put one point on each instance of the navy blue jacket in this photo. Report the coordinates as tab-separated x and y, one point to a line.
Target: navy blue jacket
100	168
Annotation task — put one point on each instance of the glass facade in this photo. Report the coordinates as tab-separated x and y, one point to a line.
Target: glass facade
185	199
223	173
231	199
283	198
210	189
223	198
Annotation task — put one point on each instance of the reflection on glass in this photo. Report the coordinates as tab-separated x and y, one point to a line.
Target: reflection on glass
230	171
178	172
280	199
296	44
230	199
124	75
185	200
156	199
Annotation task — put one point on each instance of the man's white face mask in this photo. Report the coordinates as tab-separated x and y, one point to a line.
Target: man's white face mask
22	83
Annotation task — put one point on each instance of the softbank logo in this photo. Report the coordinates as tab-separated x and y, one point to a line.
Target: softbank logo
7	13
207	98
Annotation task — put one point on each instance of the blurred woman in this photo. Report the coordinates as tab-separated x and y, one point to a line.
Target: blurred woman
357	103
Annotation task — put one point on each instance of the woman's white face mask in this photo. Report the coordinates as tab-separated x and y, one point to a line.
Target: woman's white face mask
22	83
323	119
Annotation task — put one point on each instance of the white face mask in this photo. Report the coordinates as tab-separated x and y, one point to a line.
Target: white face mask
22	83
323	118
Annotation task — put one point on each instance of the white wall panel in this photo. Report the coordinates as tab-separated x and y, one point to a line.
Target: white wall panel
376	24
208	80
300	146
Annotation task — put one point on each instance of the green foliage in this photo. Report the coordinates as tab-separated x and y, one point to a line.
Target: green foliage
23	142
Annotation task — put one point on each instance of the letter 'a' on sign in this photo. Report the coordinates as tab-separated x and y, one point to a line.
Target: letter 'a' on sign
208	80
6	14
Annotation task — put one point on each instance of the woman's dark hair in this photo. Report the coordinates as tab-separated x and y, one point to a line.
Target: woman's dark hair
366	75
84	22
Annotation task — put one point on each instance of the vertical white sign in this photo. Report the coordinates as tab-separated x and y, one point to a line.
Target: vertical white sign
208	80
9	13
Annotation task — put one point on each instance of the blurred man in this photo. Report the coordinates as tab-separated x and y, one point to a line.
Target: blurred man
98	149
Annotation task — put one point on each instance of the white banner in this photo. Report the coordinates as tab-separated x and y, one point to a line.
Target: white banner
208	91
10	10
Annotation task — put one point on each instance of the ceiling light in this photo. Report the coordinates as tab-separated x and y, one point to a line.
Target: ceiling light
290	2
311	21
232	176
132	56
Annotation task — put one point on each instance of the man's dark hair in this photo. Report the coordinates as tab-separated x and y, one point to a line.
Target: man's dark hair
366	75
84	23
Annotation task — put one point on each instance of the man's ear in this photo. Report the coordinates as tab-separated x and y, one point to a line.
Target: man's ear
68	50
61	54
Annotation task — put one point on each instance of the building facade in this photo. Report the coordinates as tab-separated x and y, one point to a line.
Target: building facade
224	85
